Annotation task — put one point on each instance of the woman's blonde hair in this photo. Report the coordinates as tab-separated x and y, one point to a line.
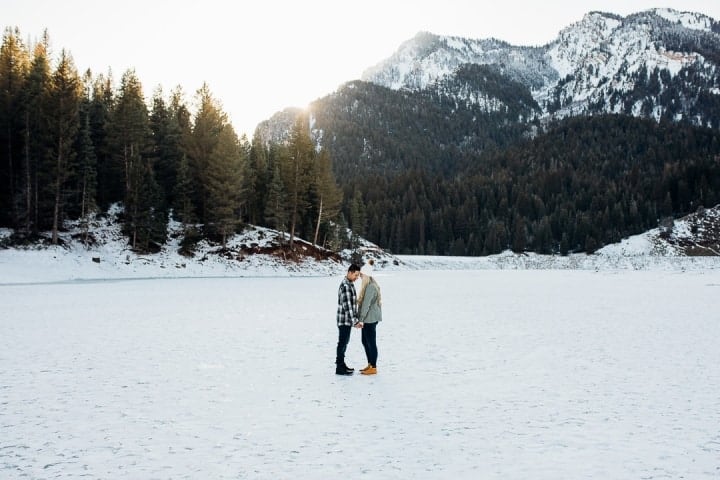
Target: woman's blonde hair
366	279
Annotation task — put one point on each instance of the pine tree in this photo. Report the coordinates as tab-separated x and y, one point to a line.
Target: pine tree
256	181
328	194
358	219
209	123
224	184
167	143
146	222
14	64
216	158
275	206
87	163
184	193
110	177
129	130
64	103
130	139
296	172
36	124
519	239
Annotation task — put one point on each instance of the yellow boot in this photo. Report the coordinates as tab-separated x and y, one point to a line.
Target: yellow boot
366	368
369	371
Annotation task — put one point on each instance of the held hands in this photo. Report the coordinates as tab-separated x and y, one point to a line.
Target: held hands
359	325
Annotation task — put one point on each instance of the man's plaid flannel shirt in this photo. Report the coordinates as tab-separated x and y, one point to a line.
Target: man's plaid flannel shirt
347	304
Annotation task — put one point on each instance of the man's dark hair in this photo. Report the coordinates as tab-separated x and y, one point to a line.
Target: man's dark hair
353	268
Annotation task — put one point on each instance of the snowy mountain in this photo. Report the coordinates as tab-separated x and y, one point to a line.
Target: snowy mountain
423	60
659	63
444	92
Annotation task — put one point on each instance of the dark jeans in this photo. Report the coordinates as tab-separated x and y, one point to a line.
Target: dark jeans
343	340
369	341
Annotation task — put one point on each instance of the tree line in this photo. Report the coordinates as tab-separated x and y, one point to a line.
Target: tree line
582	184
73	144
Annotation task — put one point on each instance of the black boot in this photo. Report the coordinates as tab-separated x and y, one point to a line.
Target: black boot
348	368
341	370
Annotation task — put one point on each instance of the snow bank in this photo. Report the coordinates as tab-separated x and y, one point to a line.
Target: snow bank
110	257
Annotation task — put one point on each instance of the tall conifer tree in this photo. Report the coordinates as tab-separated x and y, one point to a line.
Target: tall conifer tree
14	64
36	122
328	195
276	204
110	177
256	180
183	193
209	123
130	136
217	158
224	184
87	161
64	103
296	168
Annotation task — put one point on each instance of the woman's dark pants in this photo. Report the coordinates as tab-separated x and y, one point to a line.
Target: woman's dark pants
369	341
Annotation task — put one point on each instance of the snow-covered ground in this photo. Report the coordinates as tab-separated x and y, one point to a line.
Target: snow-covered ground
496	374
110	257
118	365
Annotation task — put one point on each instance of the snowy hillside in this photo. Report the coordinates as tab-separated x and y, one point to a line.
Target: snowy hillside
255	252
602	54
691	244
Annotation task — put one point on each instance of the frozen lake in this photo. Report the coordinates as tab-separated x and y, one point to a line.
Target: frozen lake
482	374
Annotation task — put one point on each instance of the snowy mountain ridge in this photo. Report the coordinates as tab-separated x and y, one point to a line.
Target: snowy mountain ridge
690	243
590	68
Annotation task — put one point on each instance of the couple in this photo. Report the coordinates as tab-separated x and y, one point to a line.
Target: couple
363	311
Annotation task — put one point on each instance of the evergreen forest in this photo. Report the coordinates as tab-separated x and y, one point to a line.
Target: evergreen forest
424	173
72	144
583	184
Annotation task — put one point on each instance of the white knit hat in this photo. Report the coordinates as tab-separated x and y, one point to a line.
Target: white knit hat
367	269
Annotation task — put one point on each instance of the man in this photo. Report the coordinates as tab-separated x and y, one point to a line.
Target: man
346	318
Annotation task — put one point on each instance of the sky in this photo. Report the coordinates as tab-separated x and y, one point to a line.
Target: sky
260	57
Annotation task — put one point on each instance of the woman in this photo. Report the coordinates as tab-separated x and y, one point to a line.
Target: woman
370	314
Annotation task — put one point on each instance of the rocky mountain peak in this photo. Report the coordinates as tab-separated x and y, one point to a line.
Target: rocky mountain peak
603	56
